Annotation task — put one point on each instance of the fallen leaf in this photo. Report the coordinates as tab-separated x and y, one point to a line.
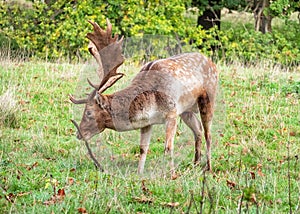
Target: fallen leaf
143	199
82	210
145	189
57	198
32	166
252	175
70	181
231	145
124	155
253	198
232	138
244	110
259	166
61	192
23	193
230	184
171	204
174	176
50	159
245	150
259	172
231	105
22	102
10	197
19	174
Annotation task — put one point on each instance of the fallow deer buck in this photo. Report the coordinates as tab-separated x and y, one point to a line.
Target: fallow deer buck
180	85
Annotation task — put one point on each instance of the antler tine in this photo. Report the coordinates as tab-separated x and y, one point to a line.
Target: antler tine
93	50
107	84
92	84
101	38
120	40
109	27
109	32
75	101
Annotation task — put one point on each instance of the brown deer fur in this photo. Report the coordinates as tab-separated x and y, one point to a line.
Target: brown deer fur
164	89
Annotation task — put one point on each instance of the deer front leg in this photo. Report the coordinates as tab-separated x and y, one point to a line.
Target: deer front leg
171	126
144	146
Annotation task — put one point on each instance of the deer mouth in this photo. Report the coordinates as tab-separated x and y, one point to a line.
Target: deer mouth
79	137
85	136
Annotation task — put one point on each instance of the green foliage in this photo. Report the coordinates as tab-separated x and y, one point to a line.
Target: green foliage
53	30
58	29
235	4
279	47
282	8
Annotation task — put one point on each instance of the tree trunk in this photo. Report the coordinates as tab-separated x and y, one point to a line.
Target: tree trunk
210	17
262	19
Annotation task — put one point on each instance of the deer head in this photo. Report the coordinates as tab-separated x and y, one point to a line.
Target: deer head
107	51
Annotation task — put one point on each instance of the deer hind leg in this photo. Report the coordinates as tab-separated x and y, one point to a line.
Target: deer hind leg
191	120
171	126
144	146
206	107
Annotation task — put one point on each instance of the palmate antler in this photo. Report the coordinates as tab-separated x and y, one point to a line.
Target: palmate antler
107	51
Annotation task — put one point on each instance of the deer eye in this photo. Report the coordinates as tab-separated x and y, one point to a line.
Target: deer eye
88	113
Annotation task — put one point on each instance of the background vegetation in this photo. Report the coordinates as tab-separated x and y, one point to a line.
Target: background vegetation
54	29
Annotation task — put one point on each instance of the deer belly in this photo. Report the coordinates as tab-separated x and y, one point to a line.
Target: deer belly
146	117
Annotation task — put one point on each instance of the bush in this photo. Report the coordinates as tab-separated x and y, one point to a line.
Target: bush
58	30
280	47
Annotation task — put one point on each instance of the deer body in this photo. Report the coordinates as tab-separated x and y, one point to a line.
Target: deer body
164	89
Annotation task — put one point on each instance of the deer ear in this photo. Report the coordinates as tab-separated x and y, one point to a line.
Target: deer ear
101	100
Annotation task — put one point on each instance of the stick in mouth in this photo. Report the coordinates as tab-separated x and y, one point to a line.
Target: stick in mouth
97	164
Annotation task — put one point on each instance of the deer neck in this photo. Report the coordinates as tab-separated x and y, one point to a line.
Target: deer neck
116	112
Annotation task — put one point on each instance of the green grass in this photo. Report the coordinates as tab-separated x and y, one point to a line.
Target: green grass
257	115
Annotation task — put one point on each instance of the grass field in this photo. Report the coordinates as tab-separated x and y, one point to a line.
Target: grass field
45	169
